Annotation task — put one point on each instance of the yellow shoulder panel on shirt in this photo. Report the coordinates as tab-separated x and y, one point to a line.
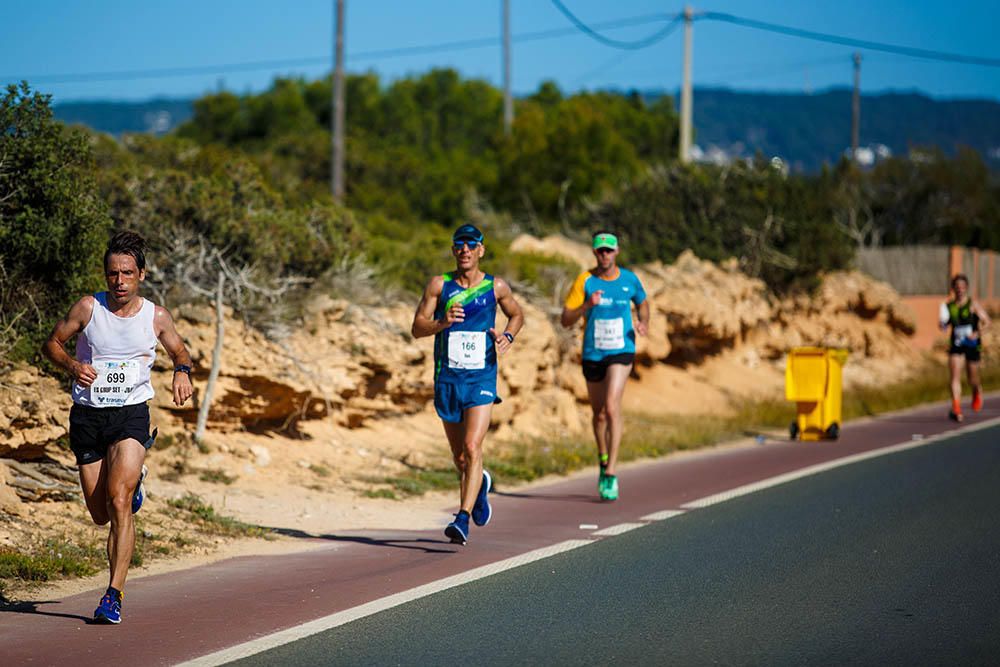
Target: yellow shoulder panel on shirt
577	294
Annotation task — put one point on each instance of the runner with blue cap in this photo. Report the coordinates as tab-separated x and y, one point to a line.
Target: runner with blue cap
458	308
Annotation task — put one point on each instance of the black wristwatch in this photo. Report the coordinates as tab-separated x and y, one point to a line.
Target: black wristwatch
182	368
509	336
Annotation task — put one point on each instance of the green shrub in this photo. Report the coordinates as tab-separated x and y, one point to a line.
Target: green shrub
53	224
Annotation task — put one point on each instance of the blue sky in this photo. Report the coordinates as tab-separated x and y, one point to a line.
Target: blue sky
47	38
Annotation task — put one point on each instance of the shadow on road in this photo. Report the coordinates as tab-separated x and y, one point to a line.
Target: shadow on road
400	543
563	497
31	607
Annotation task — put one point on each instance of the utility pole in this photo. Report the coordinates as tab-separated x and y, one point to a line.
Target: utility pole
508	103
337	117
685	147
856	108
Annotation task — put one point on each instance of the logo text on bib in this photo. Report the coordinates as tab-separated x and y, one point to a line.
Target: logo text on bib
467	350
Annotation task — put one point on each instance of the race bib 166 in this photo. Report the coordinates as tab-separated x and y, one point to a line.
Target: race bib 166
467	350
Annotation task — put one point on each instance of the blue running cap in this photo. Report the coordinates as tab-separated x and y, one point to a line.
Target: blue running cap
467	233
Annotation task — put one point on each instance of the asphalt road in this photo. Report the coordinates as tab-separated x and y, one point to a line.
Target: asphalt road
892	560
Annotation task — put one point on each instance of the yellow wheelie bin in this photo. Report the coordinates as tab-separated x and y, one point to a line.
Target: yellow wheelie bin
813	380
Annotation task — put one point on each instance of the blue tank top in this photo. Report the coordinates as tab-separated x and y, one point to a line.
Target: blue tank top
464	352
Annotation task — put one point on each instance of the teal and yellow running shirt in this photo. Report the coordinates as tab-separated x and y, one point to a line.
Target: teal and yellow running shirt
609	324
464	352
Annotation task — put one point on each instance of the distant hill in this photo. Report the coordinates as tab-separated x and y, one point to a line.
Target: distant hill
808	130
156	116
804	130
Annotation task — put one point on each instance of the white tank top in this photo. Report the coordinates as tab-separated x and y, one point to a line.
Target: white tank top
121	350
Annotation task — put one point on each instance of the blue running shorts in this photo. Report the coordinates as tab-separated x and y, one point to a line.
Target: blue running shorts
451	400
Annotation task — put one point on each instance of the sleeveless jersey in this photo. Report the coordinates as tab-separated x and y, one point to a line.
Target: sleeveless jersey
464	352
609	328
963	322
121	350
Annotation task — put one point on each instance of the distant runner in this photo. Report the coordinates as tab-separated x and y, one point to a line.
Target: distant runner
116	332
967	319
604	296
459	310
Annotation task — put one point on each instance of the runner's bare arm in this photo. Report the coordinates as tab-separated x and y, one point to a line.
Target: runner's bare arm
642	326
55	347
984	318
512	309
424	323
166	333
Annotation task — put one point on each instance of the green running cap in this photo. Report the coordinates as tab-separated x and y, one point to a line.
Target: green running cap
606	241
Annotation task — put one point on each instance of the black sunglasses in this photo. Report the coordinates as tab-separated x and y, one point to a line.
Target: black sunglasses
472	245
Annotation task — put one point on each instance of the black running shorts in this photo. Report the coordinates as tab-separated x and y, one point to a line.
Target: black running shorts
595	371
970	353
91	430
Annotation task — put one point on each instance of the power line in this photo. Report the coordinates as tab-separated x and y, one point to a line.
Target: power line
673	21
616	43
849	41
377	54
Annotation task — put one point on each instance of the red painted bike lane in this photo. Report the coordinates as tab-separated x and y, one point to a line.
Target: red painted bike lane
185	614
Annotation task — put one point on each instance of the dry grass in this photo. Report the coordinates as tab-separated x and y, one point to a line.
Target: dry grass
653	436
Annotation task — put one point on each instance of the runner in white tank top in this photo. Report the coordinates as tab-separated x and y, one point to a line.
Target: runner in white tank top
117	332
122	351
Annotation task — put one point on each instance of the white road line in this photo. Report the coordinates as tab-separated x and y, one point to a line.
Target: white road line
589	526
340	618
618	529
830	465
661	516
290	635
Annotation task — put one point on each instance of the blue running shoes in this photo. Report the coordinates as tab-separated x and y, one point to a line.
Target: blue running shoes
481	511
110	609
140	491
458	530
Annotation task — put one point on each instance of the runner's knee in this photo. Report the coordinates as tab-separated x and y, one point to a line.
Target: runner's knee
120	502
472	450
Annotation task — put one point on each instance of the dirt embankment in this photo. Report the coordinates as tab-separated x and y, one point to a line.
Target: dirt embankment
301	429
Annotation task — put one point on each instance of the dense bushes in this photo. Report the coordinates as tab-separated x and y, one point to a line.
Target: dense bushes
416	148
248	177
159	187
53	224
62	192
779	227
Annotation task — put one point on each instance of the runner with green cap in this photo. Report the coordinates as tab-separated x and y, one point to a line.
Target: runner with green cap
603	296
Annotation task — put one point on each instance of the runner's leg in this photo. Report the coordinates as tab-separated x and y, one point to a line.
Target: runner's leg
616	378
597	392
477	422
955	368
456	438
124	461
972	372
93	483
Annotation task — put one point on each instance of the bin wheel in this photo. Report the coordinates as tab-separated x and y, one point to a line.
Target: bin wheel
833	432
793	431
